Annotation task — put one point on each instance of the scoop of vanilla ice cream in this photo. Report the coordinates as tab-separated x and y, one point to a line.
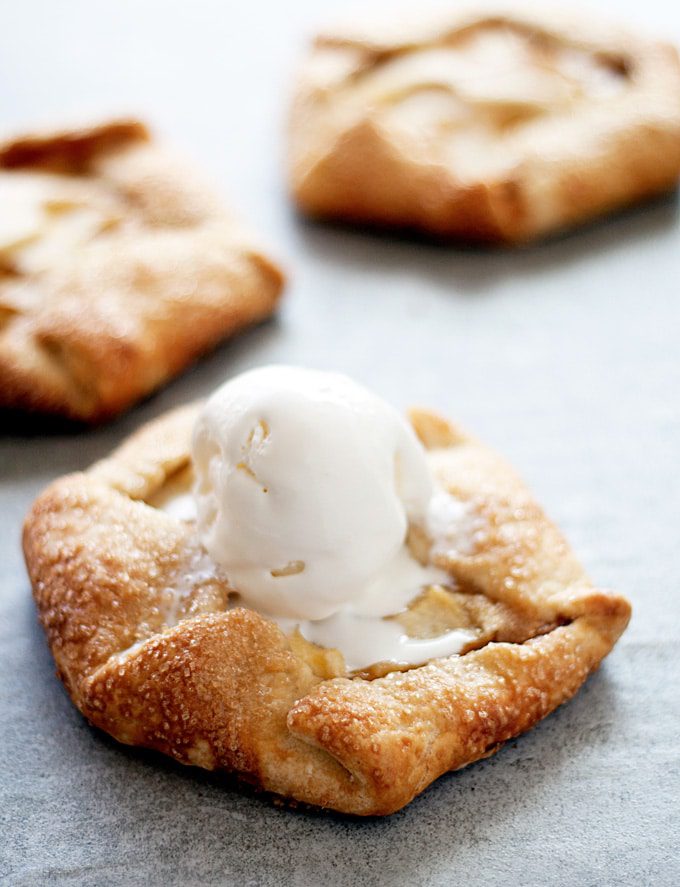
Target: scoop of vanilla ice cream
305	486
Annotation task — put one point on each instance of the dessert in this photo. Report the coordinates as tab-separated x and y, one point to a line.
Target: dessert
252	627
118	268
484	124
306	485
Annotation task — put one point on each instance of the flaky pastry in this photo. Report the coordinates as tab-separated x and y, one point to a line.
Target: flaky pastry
118	268
153	647
484	124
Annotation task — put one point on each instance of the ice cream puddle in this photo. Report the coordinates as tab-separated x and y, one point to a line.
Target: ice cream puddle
306	485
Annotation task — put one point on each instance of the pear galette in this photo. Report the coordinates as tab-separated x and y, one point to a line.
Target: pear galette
153	647
483	124
118	268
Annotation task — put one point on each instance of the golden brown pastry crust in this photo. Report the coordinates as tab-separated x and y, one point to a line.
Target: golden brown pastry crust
162	277
521	171
149	651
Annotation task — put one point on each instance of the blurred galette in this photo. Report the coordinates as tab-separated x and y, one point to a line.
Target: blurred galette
488	124
118	267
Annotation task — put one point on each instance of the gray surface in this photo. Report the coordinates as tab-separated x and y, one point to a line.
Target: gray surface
564	356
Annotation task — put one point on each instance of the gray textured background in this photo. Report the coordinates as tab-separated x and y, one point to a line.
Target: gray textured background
565	356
